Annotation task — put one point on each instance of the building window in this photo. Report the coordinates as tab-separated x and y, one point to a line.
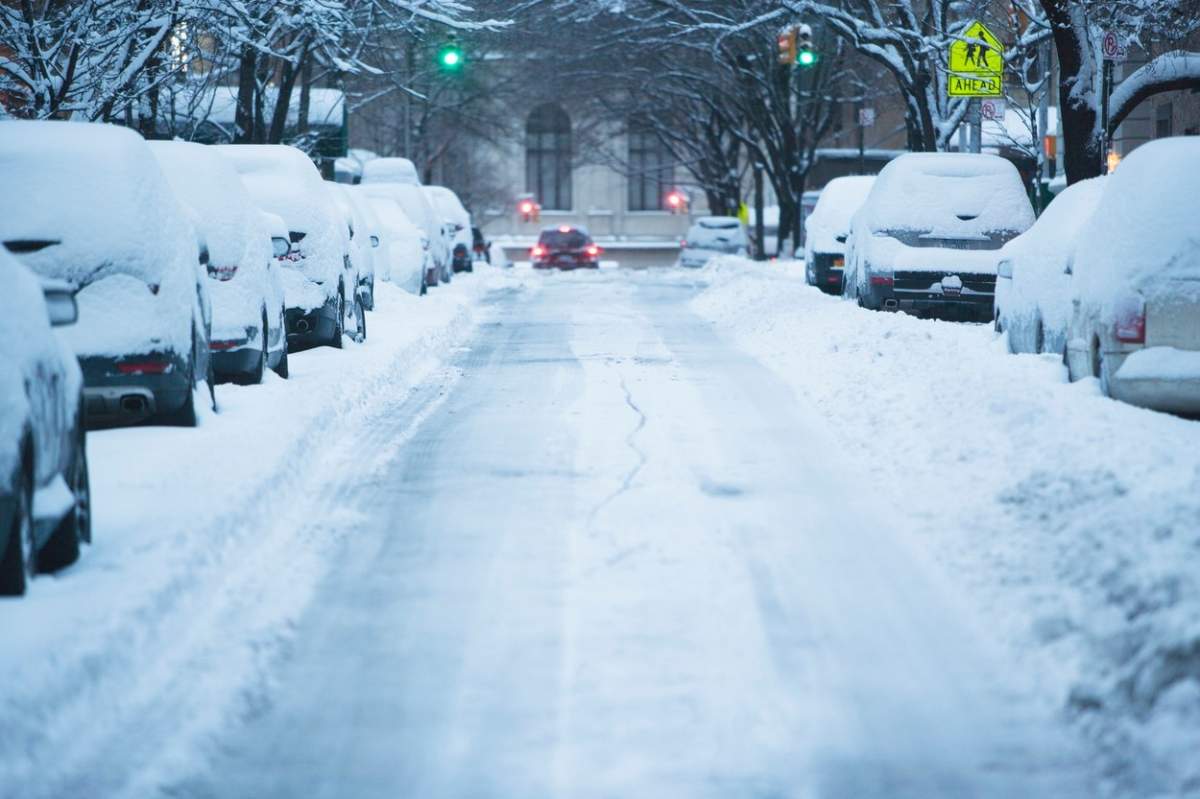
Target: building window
548	157
1163	122
651	172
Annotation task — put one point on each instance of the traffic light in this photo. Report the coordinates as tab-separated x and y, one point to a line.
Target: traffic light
806	56
787	47
450	56
677	201
528	209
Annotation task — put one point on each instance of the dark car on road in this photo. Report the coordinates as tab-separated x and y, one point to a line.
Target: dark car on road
118	236
44	496
565	247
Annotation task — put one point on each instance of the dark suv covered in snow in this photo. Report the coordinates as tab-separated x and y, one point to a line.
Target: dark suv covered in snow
565	247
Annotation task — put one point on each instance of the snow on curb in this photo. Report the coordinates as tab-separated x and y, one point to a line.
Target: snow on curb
1074	520
198	531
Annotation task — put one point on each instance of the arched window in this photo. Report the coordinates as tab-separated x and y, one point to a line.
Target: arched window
548	157
651	173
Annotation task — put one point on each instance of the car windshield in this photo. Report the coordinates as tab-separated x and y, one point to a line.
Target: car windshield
563	240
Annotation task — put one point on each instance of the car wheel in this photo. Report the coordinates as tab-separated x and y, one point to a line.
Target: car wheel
339	329
369	304
281	368
1100	369
76	527
19	561
424	287
360	320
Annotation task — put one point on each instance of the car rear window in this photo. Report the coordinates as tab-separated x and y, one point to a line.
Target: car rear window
558	240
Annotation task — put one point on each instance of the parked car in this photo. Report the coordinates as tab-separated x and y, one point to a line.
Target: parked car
828	226
356	250
458	226
373	245
45	501
1033	289
565	247
1135	321
406	247
397	178
319	281
927	239
249	336
710	236
121	238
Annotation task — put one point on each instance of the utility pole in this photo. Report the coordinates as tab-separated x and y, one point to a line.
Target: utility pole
975	121
760	233
1105	91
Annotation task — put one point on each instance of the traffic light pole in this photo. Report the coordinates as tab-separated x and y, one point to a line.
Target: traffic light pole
760	232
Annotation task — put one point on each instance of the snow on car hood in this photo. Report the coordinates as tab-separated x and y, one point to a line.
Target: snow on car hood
1144	229
113	211
948	195
299	291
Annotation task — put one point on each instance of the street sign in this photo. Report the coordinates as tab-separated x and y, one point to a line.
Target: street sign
1112	48
992	110
866	117
976	64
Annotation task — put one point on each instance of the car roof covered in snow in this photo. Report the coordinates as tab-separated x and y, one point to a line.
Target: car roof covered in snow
448	205
1057	229
839	202
219	205
112	209
948	195
720	222
390	170
1145	227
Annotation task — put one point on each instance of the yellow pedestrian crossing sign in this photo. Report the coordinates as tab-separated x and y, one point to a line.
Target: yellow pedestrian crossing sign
976	64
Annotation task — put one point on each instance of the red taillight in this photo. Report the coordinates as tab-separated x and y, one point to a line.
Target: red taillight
564	229
222	273
228	344
882	280
593	251
527	208
538	251
143	367
833	279
1130	314
683	244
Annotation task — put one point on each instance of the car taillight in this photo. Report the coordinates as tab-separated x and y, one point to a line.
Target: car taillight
143	367
222	273
227	344
683	244
593	251
538	251
1130	319
882	280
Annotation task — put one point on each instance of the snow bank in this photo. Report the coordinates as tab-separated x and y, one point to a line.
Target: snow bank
1144	228
1070	518
207	545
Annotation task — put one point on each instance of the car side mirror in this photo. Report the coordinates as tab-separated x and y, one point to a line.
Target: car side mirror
841	239
1005	269
374	241
1069	269
61	306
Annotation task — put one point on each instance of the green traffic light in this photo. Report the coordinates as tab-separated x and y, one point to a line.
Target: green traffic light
807	58
450	56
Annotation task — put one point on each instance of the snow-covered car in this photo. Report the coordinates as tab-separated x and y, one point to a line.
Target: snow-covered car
319	281
406	247
248	332
565	247
927	239
88	204
398	178
356	246
710	236
376	266
45	502
1033	289
1135	321
419	210
458	226
827	228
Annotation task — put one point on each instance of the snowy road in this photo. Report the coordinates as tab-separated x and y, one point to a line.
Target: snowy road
617	557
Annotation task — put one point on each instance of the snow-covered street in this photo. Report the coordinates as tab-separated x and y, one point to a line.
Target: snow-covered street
628	533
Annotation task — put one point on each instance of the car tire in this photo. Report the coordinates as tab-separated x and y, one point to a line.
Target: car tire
281	368
369	305
76	527
360	320
18	562
424	287
339	328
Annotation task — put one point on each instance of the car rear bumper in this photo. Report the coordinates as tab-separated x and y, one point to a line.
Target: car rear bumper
1160	378
828	277
311	328
566	265
111	399
237	363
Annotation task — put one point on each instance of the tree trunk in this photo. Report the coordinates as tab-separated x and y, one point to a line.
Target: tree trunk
1077	93
306	80
283	100
245	116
